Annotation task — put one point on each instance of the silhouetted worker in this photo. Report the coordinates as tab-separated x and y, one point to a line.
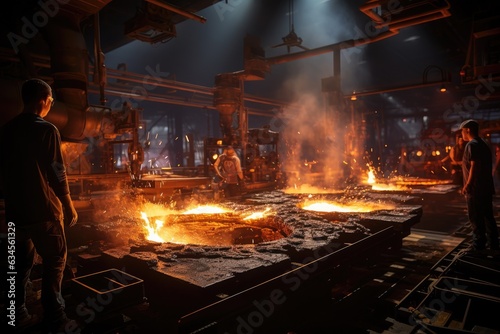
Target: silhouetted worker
37	203
478	187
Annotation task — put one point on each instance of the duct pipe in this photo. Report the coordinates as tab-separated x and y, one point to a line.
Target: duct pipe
68	60
100	67
227	97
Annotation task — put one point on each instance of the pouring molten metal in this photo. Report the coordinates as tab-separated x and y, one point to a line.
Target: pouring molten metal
372	180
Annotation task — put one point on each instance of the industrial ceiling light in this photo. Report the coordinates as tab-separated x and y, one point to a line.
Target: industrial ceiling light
445	77
353	96
291	39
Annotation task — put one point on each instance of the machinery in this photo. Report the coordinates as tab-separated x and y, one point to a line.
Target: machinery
66	51
104	142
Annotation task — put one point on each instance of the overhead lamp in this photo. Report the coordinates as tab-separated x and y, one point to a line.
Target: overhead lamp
353	96
445	77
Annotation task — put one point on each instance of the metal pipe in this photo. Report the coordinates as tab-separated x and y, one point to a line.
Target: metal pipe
179	11
329	48
69	67
394	27
393	89
100	67
410	20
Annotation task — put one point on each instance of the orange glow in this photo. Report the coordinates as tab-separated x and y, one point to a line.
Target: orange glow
372	180
215	225
421	182
354	206
257	215
152	229
205	209
371	176
389	187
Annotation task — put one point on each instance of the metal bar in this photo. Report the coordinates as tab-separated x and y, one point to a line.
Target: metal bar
329	48
179	11
393	89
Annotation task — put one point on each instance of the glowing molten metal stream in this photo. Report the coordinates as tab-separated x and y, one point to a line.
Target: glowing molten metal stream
371	177
152	229
372	180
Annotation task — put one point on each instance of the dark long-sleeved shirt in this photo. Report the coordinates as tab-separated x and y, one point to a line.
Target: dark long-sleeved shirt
32	175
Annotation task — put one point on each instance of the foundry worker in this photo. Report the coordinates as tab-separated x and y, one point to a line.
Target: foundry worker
478	187
37	203
455	156
496	167
228	168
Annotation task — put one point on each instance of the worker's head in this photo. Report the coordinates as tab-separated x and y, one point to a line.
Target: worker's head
470	129
37	96
230	151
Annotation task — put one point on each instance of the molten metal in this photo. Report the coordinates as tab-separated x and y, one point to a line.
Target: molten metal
325	206
212	225
152	229
205	209
372	180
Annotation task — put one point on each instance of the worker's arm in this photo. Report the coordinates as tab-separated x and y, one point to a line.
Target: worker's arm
57	177
468	184
216	167
70	214
238	168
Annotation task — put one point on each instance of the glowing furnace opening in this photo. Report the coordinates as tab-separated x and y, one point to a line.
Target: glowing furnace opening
215	226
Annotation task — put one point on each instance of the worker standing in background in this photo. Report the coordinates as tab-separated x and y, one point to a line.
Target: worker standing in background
38	205
478	187
228	168
456	155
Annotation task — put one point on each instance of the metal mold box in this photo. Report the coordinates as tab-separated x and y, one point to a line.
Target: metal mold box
110	289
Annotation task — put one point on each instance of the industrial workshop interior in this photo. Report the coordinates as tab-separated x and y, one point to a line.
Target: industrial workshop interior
349	216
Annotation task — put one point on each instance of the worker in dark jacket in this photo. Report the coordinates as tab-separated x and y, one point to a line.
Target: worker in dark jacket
38	204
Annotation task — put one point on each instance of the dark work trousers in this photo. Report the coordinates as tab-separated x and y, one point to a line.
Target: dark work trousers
231	190
49	240
482	219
